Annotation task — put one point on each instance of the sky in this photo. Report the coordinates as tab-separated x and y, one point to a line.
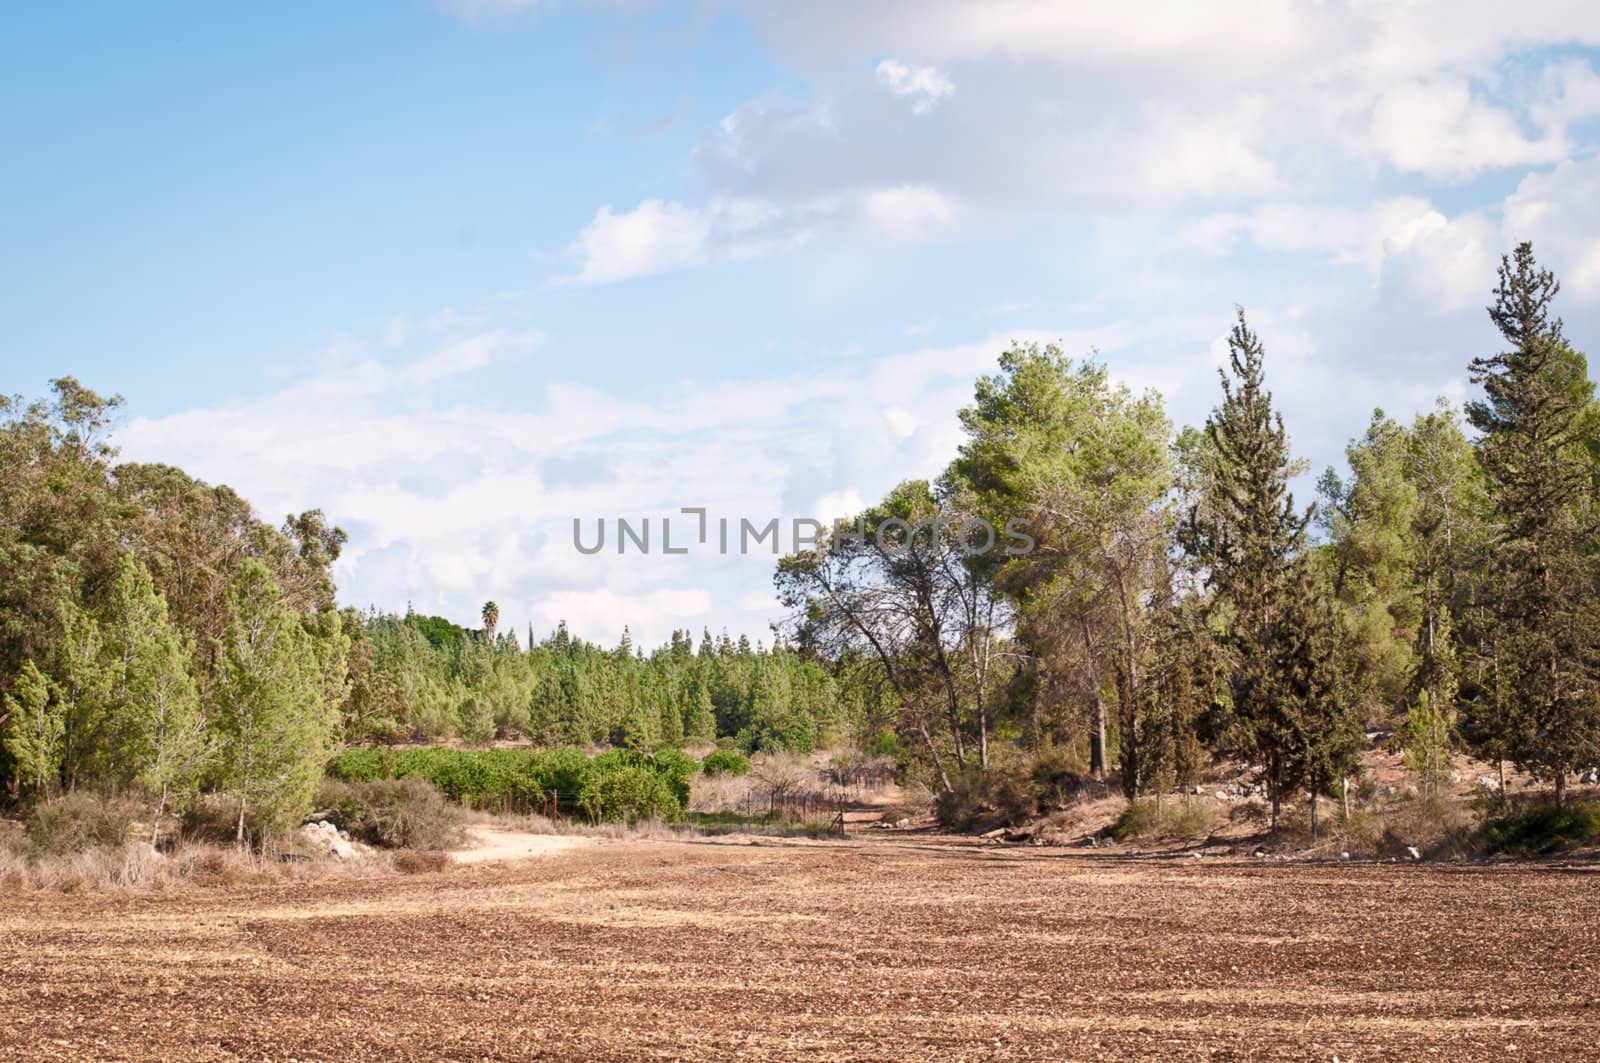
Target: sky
458	273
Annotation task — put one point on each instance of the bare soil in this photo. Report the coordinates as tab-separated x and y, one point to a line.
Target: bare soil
889	947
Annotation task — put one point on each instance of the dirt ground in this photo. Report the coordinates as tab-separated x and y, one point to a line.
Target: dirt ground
885	948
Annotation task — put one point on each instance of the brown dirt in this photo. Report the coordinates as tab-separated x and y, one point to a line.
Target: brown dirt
879	948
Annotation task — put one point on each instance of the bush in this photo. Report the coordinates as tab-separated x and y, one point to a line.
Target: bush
725	762
360	765
883	744
420	862
395	814
627	793
984	796
513	780
76	823
676	767
1542	829
1057	777
1172	820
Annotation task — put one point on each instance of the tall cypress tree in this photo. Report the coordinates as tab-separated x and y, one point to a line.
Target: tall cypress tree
1245	532
1538	440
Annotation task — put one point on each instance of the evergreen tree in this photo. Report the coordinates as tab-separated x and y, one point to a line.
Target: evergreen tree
1537	421
157	734
1245	533
275	724
1316	720
34	728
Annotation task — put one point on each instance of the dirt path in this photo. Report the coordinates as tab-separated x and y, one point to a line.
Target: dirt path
487	844
852	950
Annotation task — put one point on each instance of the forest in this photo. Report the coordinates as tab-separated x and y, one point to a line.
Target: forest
1181	607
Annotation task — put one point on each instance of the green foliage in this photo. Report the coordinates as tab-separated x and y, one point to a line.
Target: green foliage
1543	829
1163	821
1425	738
34	728
395	814
360	765
1537	640
275	724
525	780
725	762
620	792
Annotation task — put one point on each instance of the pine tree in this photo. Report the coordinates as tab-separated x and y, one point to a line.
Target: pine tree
702	720
1538	425
157	732
275	724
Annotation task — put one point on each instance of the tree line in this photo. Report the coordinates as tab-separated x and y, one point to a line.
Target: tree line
158	639
1180	606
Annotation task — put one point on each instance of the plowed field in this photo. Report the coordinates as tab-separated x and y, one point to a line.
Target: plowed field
891	949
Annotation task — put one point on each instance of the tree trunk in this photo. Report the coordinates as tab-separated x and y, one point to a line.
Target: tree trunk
155	828
1313	816
1561	788
238	836
1097	737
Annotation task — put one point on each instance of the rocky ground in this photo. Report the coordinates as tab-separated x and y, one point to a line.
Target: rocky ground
887	946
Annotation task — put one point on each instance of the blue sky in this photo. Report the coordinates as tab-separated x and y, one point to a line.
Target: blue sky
460	272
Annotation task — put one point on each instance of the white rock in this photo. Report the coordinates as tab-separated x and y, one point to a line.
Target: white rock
1344	858
1411	851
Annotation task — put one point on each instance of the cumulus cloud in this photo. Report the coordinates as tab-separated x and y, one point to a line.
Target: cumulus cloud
1440	129
451	504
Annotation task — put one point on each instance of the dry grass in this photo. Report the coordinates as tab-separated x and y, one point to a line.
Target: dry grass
136	865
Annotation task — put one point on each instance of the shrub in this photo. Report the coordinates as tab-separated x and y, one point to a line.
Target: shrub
76	823
396	814
1057	777
562	771
360	765
627	793
1542	829
725	762
420	862
883	744
986	797
1171	820
676	767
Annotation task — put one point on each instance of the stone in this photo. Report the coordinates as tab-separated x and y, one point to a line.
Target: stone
1486	782
1412	853
1344	858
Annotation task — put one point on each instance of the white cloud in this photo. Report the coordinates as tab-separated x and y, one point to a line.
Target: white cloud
450	505
653	237
1347	235
659	236
1560	212
1440	129
924	86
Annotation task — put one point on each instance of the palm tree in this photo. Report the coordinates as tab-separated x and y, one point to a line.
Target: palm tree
491	617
